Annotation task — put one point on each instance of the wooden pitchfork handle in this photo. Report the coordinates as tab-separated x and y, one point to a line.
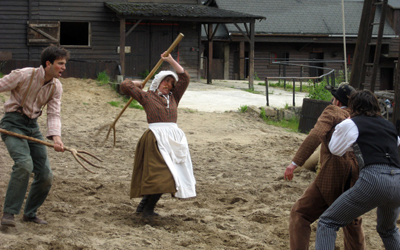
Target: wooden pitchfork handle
75	153
169	50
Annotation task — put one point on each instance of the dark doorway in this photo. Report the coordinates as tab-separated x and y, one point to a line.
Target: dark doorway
314	62
386	79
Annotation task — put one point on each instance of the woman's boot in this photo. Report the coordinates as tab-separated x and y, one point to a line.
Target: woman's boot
142	203
148	210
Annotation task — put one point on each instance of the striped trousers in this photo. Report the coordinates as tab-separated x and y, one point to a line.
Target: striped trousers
378	187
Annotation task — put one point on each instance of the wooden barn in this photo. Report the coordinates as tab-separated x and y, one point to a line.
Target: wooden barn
94	31
307	33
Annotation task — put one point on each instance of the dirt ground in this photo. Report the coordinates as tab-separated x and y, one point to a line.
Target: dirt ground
242	200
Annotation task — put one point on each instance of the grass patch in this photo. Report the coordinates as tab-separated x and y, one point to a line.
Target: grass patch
292	124
114	103
252	91
244	108
134	104
103	78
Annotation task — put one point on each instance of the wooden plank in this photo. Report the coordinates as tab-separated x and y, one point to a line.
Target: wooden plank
5	55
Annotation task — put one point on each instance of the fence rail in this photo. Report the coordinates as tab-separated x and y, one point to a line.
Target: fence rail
330	74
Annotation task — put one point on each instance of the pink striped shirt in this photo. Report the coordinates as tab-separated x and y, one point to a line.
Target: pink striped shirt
37	95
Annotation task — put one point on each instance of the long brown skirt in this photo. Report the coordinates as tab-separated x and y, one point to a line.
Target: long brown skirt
151	174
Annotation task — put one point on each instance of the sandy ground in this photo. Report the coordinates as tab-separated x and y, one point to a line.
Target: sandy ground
242	202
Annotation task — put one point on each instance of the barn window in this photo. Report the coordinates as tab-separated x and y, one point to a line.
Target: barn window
75	34
43	33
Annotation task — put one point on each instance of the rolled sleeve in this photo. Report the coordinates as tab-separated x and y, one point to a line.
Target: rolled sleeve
134	92
54	114
343	138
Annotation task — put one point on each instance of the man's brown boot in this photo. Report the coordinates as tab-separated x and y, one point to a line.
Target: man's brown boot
8	220
35	219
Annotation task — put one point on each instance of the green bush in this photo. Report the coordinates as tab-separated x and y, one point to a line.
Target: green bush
318	92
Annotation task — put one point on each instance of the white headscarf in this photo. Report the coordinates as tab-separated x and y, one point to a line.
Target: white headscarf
159	77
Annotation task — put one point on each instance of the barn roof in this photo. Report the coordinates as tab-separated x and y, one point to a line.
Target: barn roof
179	12
311	17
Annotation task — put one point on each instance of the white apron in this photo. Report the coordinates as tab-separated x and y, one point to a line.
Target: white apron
173	146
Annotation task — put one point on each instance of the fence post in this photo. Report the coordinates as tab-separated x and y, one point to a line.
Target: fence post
301	80
266	90
284	75
294	90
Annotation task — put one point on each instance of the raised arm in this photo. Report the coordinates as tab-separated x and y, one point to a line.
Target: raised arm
177	67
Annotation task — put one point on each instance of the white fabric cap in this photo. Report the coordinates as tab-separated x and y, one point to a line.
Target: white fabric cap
159	77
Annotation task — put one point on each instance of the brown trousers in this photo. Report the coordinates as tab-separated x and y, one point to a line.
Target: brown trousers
308	209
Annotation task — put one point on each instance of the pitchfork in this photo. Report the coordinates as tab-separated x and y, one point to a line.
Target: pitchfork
75	153
112	125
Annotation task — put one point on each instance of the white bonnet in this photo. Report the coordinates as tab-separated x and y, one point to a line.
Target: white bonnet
159	77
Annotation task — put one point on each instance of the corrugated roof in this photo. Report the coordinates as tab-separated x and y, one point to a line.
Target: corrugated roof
176	11
303	16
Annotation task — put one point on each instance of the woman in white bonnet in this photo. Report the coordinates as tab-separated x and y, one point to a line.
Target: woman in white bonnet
162	159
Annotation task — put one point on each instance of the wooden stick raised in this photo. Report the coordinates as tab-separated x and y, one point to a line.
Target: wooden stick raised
153	71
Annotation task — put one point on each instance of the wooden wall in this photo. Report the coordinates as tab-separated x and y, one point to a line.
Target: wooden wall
330	52
14	15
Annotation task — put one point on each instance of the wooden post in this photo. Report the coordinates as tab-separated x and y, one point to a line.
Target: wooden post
301	80
251	57
241	61
122	45
210	52
396	109
284	75
294	91
226	62
266	90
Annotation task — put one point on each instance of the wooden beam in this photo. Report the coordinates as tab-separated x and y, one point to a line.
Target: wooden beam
243	33
378	45
5	55
133	27
360	50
